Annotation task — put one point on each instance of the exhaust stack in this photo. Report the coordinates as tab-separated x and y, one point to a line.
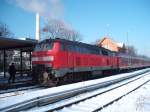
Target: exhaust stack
37	26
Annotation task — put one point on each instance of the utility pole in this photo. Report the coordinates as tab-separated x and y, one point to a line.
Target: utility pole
127	42
129	58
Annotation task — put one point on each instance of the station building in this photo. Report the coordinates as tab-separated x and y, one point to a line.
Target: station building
112	45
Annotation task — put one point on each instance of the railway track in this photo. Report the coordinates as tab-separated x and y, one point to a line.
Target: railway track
99	101
96	100
69	99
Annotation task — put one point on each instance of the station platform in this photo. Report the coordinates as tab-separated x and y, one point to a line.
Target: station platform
20	81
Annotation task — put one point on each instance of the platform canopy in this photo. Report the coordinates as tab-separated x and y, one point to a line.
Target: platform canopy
11	43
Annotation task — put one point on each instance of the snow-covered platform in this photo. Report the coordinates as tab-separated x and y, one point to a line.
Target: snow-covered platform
18	80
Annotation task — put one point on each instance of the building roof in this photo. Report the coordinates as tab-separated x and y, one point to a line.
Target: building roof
111	44
11	43
121	45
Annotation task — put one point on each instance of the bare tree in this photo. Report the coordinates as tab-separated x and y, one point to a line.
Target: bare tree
58	29
4	30
96	42
5	33
75	36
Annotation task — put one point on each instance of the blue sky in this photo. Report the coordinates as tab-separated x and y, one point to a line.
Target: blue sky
92	18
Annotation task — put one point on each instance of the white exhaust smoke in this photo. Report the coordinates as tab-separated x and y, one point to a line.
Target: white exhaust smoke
49	9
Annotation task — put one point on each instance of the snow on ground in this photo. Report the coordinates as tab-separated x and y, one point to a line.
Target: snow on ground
98	101
51	91
137	101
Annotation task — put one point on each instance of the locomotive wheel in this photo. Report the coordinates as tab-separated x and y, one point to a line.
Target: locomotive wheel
65	79
40	78
56	81
46	80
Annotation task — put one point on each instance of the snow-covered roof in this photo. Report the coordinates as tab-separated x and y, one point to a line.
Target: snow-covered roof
120	45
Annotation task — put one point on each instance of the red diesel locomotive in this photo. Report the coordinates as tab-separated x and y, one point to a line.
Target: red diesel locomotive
64	60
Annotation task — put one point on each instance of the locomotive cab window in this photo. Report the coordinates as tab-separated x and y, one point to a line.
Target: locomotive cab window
44	46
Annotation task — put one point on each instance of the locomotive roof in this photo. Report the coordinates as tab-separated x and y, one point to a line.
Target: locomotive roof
75	43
